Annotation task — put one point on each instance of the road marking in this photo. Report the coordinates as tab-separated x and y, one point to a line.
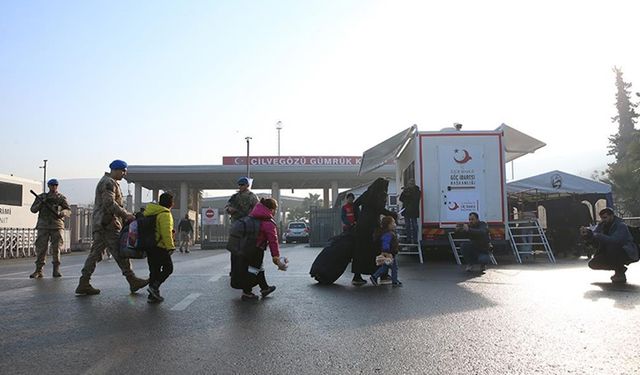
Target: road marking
19	291
216	278
186	302
15	273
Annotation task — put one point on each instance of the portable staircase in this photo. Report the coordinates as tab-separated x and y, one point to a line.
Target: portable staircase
456	248
528	238
408	248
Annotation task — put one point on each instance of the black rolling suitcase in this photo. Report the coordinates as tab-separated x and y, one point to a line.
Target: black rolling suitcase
330	264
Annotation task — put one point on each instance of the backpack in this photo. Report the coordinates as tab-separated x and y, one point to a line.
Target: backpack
243	236
138	236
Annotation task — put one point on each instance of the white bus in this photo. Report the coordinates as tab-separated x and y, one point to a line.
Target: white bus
16	200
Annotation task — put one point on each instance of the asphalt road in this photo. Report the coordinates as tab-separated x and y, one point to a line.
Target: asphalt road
516	319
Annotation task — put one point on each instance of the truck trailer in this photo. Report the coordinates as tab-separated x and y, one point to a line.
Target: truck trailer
459	172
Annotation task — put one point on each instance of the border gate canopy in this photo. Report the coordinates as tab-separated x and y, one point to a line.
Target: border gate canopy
289	172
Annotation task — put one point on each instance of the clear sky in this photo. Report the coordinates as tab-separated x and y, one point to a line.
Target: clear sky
183	82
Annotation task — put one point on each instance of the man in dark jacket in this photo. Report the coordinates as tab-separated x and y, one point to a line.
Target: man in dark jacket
410	198
185	230
615	245
477	250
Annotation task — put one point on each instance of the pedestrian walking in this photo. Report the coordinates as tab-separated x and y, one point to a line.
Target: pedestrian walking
159	257
52	208
372	204
185	230
247	269
108	217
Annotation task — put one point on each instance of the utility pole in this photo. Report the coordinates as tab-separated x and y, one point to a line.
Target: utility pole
279	127
44	179
248	139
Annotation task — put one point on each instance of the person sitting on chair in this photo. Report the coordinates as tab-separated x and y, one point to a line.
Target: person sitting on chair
477	250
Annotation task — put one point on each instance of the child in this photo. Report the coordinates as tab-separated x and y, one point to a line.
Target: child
388	240
159	257
247	270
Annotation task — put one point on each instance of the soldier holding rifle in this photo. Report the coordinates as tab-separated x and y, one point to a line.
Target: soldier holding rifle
52	208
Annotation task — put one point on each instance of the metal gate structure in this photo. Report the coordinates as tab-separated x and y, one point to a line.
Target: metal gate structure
325	223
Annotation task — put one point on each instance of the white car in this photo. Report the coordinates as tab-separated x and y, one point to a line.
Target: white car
297	231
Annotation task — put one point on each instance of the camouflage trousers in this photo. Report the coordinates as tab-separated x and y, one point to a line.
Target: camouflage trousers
42	243
105	239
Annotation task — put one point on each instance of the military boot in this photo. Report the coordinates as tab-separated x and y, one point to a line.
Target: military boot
37	274
85	288
135	283
56	270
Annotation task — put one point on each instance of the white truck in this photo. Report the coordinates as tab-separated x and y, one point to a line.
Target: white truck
458	172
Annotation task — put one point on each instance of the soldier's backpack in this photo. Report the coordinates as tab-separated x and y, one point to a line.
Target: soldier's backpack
138	236
243	236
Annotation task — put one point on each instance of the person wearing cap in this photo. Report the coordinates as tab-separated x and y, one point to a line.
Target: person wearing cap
108	217
616	247
241	203
52	208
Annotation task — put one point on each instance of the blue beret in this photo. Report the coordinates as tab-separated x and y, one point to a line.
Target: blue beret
243	181
52	181
118	164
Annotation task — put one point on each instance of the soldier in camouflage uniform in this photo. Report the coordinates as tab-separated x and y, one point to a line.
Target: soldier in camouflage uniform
52	208
241	203
108	217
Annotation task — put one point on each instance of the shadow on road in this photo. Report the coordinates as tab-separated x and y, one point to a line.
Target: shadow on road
625	296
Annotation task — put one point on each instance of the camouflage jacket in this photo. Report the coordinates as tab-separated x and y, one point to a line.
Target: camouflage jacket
243	203
108	209
46	218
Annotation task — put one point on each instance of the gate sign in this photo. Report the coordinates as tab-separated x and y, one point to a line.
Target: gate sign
210	216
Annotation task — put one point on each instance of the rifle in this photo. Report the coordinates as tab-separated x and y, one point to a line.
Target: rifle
47	205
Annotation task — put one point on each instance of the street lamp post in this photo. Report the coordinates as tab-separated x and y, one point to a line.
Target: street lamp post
248	139
44	179
279	127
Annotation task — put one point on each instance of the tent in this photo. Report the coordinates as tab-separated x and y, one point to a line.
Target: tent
557	184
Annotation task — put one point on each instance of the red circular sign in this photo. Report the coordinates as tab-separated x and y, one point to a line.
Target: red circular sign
209	213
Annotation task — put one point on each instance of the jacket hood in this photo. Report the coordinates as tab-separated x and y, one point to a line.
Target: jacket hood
260	211
154	209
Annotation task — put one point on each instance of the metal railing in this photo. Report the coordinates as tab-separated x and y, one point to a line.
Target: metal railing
20	242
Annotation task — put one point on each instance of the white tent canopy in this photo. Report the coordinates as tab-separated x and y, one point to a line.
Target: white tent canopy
518	144
387	151
558	182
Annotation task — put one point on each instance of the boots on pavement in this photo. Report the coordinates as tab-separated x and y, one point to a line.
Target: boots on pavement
85	288
56	270
37	274
135	283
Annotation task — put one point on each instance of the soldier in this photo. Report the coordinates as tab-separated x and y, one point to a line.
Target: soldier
52	208
241	203
108	216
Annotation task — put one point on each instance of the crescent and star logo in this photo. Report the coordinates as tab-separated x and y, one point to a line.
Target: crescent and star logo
465	156
454	206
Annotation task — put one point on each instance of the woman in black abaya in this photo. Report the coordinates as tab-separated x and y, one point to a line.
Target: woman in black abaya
372	204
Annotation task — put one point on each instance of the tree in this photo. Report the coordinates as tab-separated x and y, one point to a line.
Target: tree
302	212
626	118
623	174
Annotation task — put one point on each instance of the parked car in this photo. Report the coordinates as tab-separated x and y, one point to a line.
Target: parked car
297	231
